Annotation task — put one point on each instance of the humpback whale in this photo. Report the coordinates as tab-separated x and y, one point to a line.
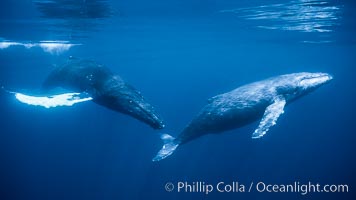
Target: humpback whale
263	100
104	88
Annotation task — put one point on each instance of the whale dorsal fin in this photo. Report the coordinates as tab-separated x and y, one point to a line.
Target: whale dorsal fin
270	117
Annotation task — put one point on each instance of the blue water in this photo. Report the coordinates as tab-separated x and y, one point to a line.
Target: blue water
178	53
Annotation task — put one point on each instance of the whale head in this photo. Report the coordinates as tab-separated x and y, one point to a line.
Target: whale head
311	81
299	84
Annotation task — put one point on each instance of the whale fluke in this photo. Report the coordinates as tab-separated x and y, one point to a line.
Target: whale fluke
169	146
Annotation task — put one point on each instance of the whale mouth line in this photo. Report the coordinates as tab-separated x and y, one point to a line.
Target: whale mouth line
323	75
316	80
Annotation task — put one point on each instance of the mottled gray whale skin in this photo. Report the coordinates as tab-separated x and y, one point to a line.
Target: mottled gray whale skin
263	100
104	87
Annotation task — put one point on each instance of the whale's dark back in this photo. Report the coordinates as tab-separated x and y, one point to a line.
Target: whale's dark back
80	75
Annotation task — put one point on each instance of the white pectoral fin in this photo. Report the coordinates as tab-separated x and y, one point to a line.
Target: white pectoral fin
270	117
66	99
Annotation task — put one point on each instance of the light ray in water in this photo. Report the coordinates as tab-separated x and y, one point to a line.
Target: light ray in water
67	99
320	16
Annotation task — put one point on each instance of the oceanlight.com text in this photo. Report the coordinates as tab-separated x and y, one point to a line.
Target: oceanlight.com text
260	187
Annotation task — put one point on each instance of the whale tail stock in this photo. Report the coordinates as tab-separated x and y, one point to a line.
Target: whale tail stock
169	146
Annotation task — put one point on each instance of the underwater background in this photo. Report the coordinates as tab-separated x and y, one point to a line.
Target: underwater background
178	53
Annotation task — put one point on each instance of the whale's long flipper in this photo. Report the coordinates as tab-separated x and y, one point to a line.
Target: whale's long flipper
169	146
66	99
270	117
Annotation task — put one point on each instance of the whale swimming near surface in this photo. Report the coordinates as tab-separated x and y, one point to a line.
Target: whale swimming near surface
263	100
101	86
